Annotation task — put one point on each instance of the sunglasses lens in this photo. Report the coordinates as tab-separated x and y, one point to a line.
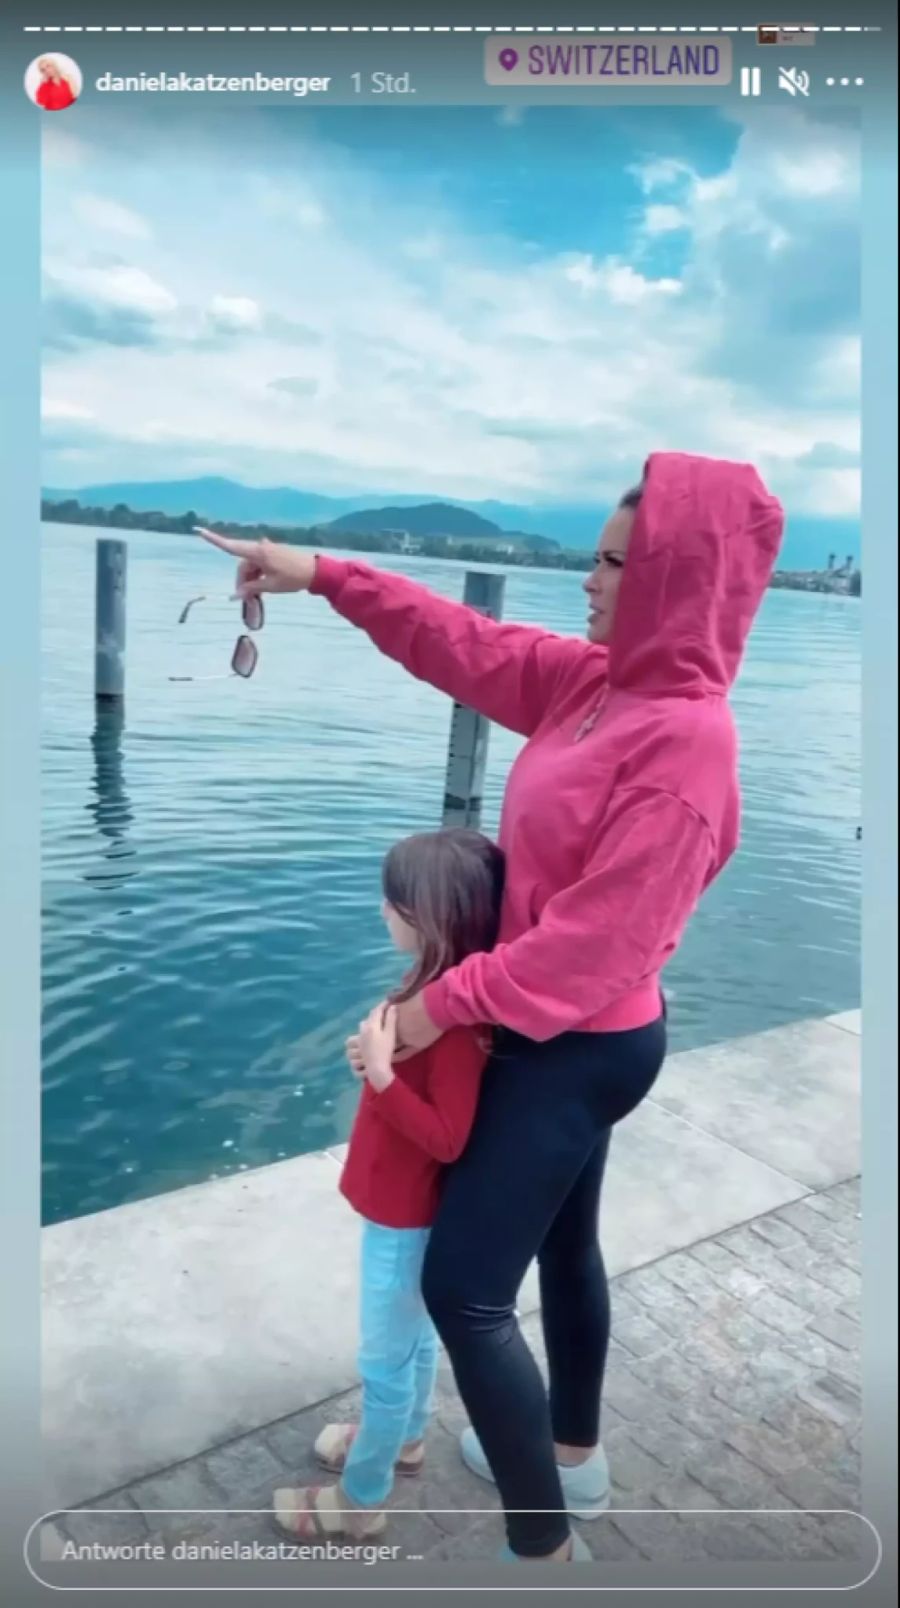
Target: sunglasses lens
245	658
253	613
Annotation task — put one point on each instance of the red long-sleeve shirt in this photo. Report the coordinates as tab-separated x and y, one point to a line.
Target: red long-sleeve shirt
404	1137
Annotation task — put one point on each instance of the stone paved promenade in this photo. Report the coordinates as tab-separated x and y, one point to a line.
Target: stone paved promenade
733	1384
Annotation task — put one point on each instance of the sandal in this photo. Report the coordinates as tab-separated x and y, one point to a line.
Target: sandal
320	1512
334	1442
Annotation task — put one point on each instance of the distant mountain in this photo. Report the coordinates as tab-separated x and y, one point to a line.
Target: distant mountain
214	497
434	519
807	544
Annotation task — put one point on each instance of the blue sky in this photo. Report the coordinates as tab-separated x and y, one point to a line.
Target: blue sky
473	303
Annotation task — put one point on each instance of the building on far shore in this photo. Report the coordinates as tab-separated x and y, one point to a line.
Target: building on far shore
844	580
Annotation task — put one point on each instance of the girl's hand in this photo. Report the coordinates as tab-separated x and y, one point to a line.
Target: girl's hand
265	566
353	1052
377	1043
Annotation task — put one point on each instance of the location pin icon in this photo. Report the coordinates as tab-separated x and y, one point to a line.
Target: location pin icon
508	59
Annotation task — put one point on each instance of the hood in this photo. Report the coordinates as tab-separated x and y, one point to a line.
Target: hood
703	548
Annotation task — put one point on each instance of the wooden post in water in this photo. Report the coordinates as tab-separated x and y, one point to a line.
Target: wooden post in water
109	621
467	754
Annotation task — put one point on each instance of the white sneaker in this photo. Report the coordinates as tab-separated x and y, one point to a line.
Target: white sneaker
585	1487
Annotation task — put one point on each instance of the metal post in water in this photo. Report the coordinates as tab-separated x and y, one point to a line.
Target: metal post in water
109	621
467	754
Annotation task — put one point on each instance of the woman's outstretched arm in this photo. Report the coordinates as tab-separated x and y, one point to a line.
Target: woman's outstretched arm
510	673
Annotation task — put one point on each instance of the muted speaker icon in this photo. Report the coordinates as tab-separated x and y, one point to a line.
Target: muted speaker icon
793	80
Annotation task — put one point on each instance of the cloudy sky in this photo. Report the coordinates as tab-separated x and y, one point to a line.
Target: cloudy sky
466	303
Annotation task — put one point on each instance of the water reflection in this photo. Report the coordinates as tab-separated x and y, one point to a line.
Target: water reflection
110	804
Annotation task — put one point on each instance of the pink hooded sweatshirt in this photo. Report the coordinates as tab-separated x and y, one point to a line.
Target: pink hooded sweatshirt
623	805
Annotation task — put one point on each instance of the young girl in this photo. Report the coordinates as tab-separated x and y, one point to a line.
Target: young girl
442	893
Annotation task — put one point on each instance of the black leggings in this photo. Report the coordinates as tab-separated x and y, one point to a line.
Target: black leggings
528	1184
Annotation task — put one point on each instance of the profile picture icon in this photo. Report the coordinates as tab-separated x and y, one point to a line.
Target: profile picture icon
53	82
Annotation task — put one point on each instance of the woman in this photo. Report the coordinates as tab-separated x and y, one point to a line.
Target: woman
55	91
619	811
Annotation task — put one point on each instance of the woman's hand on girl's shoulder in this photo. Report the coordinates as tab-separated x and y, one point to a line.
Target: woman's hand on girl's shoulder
415	1029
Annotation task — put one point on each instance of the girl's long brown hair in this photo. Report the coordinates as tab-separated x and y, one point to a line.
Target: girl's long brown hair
448	887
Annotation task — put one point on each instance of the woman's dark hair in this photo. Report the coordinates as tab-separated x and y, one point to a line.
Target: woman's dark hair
448	886
632	498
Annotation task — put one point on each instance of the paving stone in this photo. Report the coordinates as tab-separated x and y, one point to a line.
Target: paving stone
815	1489
706	1416
188	1491
774	1231
776	1312
836	1398
762	1445
608	1541
631	1468
767	1260
124	1524
416	1532
814	1354
835	1275
680	1493
240	1527
849	1537
629	1396
738	1538
849	1193
714	1256
739	1484
694	1280
662	1300
843	1331
799	1537
664	1537
669	1442
483	1539
244	1468
816	1229
640	1335
828	1203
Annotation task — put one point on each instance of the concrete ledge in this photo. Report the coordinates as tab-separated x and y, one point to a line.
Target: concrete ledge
178	1323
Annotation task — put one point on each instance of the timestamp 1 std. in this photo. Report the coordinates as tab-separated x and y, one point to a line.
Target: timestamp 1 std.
382	84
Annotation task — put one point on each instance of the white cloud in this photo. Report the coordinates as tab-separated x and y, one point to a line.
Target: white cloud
54	408
110	217
664	219
813	173
617	280
121	286
235	313
660	174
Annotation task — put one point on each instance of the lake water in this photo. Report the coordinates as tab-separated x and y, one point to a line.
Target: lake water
211	870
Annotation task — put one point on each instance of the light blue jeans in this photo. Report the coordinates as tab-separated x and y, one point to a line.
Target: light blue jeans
397	1359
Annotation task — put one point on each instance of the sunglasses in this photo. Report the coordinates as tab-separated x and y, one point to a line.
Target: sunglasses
245	657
